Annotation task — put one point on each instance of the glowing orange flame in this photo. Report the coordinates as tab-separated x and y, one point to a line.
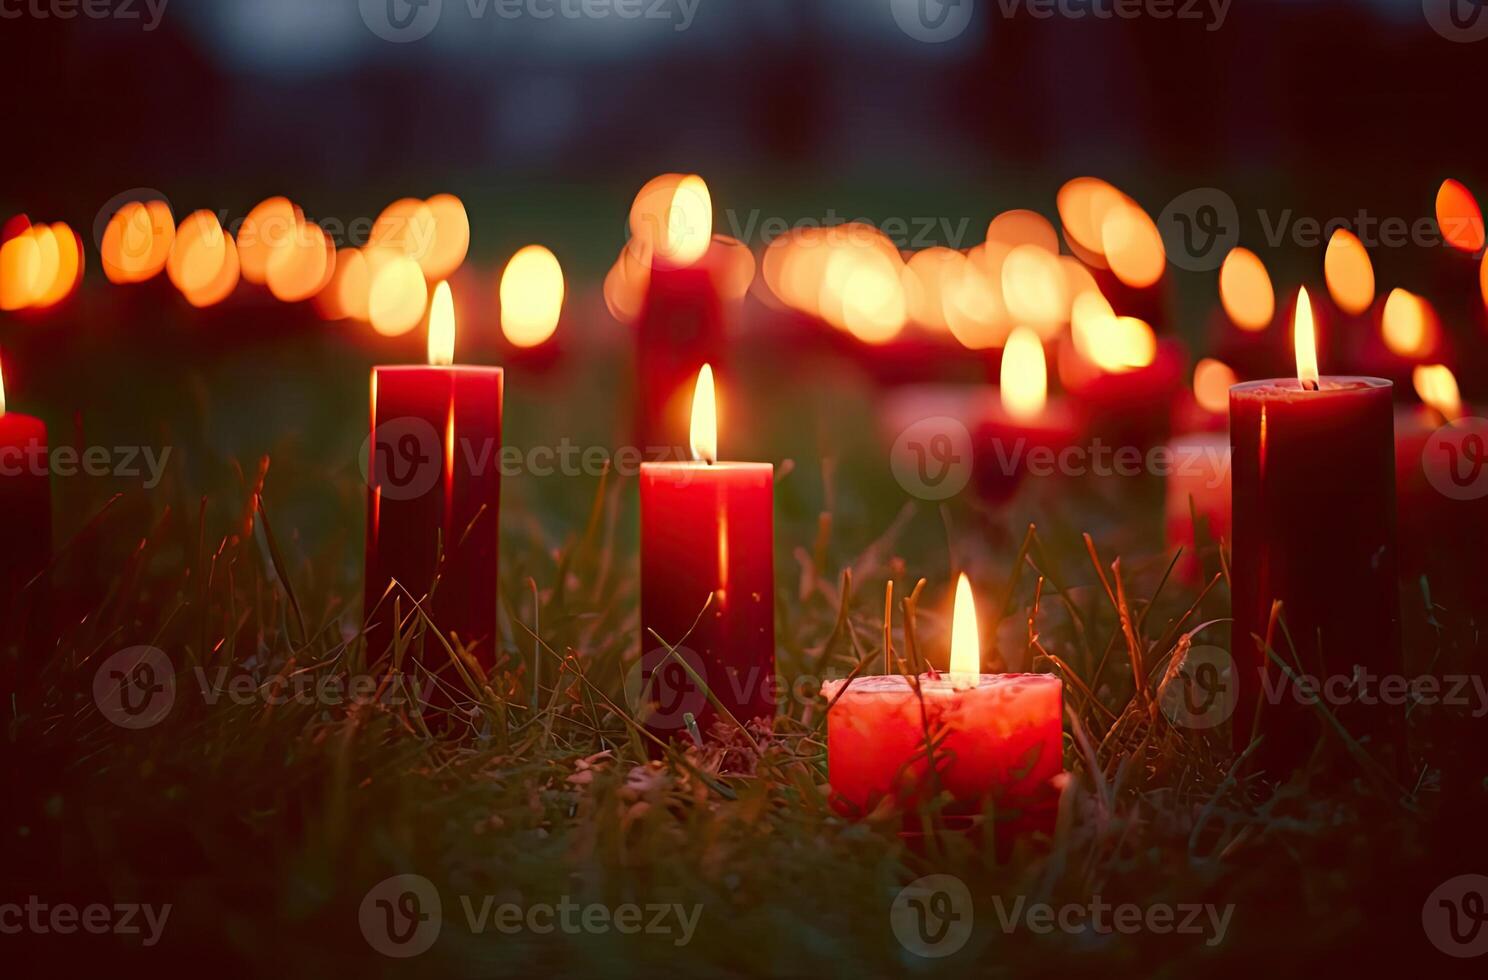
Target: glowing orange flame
1132	245
1458	216
69	268
1020	227
973	303
1408	324
2	389
1212	381
1348	271
1034	289
451	237
303	266
704	432
928	274
966	642
271	225
20	271
531	296
198	251
1024	376
137	241
398	297
442	327
689	223
1112	343
1304	341
1245	290
1083	205
1437	387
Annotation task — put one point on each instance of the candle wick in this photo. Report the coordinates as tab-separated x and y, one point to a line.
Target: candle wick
1310	385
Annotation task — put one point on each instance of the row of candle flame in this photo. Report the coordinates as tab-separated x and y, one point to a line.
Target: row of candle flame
1013	290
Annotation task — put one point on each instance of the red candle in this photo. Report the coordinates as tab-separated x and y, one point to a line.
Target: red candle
1198	492
1314	515
25	508
1024	431
434	496
680	327
707	583
996	738
1122	376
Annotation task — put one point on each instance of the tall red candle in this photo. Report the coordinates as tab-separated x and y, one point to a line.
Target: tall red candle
680	326
25	506
1314	527
707	584
434	496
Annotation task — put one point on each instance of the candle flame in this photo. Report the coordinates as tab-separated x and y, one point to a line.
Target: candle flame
1458	216
531	296
1349	272
1437	387
1245	290
1025	375
1036	289
966	648
1304	341
704	437
1132	245
442	327
1407	324
1212	382
689	223
2	389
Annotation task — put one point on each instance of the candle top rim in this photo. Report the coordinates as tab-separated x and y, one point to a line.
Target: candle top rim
704	465
457	368
1290	389
881	683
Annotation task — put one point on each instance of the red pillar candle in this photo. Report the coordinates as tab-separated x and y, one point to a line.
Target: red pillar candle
996	737
1122	376
1024	431
707	583
434	495
680	326
25	506
1314	527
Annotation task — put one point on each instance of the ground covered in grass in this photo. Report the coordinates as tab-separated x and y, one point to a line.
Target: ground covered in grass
264	817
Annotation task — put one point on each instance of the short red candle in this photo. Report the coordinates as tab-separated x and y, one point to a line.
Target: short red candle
707	540
1198	488
1132	407
434	497
25	503
1314	527
999	737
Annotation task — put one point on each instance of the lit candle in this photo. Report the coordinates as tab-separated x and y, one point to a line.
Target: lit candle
1124	379
1198	474
680	327
25	509
1024	432
434	495
1244	331
996	738
707	582
1314	528
531	295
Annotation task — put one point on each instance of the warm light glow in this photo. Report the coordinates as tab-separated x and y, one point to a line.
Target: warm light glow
1304	341
1245	290
20	271
137	241
1212	381
531	296
270	226
1458	215
704	433
927	275
451	237
1083	205
1025	375
966	643
1034	289
197	252
689	225
1110	342
398	296
1349	272
870	296
409	226
1020	227
442	327
973	304
1132	245
1408	324
69	268
2	389
1437	387
303	266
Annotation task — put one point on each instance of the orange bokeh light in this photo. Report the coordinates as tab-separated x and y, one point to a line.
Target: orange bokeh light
1459	217
1132	245
1348	271
1408	324
1212	381
398	296
531	296
1245	290
137	241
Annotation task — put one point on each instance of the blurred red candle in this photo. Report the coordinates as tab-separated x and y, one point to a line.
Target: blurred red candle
25	503
680	327
1123	378
1314	527
1024	431
434	494
997	737
707	583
